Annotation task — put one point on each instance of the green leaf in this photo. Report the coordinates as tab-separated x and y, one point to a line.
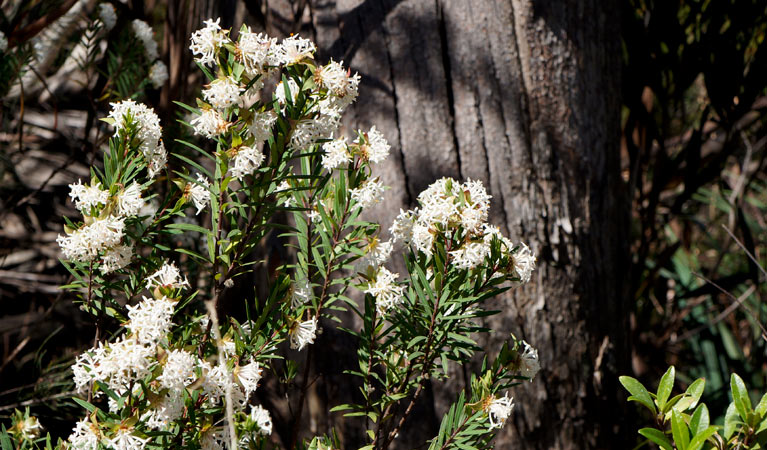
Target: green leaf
699	420
700	438
664	388
679	430
731	421
692	395
657	437
638	392
761	408
740	396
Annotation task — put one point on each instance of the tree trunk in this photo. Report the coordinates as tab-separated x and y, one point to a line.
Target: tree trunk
524	96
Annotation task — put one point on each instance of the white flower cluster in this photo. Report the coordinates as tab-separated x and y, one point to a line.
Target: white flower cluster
529	365
200	193
210	123
86	197
498	410
158	74
149	132
370	193
245	161
107	15
222	93
145	34
261	57
385	290
459	211
303	333
105	213
301	293
207	41
3	42
257	51
143	352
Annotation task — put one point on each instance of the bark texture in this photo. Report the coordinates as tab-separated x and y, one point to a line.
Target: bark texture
523	95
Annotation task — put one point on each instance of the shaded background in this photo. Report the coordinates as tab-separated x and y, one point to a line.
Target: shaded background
625	141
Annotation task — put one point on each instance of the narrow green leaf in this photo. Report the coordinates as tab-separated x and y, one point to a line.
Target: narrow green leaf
740	396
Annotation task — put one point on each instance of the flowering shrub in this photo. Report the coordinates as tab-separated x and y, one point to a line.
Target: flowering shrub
683	422
182	371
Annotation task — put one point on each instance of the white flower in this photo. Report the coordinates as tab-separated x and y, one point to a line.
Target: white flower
529	365
178	371
257	51
249	375
85	244
215	383
303	333
124	439
210	123
368	194
246	161
150	320
260	416
3	42
470	255
302	293
261	127
165	412
402	227
336	79
144	34
385	290
335	154
524	263
86	196
222	93
498	410
116	258
156	160
378	253
307	131
158	74
376	149
30	428
129	201
422	237
85	435
294	49
117	364
206	42
168	276
200	193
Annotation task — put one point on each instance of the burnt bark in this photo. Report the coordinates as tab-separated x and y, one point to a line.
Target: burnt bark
524	96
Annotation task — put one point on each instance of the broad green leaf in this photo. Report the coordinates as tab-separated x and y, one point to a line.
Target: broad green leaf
692	395
699	420
657	437
696	443
761	407
731	421
638	392
664	388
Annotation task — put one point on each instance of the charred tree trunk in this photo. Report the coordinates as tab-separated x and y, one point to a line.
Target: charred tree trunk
524	96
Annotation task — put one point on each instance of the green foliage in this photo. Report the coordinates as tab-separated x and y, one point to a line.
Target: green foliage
683	422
